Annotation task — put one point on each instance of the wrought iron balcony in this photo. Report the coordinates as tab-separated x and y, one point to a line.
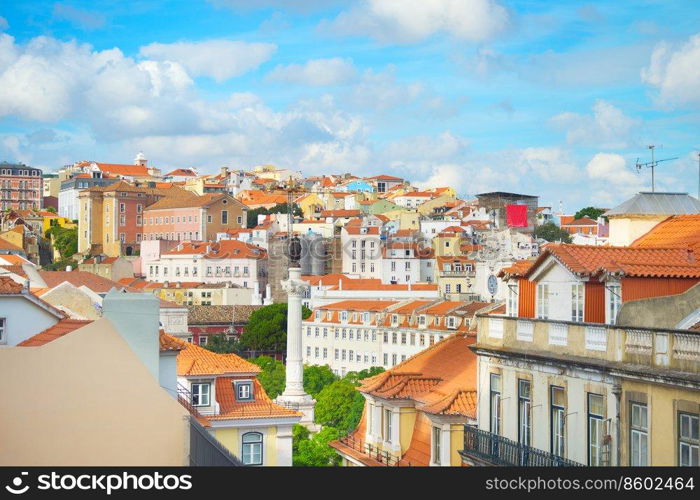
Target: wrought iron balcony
492	449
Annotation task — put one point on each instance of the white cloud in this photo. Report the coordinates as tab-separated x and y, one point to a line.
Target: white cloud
608	127
218	59
675	72
549	164
319	72
411	21
618	181
382	91
3	23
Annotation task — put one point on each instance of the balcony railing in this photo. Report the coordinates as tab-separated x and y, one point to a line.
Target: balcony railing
381	456
497	450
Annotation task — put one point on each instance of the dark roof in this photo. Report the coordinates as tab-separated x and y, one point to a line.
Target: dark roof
657	204
204	315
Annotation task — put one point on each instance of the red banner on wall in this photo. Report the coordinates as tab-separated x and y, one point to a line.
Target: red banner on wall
516	215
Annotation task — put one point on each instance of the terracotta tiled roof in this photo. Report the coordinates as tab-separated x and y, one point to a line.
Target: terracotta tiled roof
168	342
8	286
411	306
16	269
106	260
224	249
456	403
195	360
123	169
340	213
516	270
181	172
431	375
630	261
359	305
384	178
443	307
63	327
261	407
583	221
96	283
189	201
13	260
680	231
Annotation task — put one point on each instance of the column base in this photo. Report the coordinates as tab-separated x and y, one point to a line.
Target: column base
300	402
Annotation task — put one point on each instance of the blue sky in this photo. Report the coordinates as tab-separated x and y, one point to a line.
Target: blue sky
557	99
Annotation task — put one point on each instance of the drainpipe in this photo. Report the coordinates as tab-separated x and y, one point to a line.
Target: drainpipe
617	391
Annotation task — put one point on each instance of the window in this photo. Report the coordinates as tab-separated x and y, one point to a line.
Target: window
200	394
542	300
495	403
596	410
386	359
308	351
639	434
577	302
252	449
224	216
557	423
3	326
524	412
394	359
208	219
448	288
614	301
436	445
336	354
244	390
387	426
325	353
513	299
688	439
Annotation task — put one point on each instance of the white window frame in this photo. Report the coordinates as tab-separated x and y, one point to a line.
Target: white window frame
196	391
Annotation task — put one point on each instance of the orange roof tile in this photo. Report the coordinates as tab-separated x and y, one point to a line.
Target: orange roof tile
63	327
340	213
444	307
630	261
359	305
516	270
261	407
224	249
96	283
195	360
123	169
680	231
8	286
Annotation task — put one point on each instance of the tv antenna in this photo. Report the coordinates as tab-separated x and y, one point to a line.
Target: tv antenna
652	164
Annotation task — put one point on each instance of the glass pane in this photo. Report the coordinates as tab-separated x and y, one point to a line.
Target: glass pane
524	389
558	396
596	404
495	382
685	426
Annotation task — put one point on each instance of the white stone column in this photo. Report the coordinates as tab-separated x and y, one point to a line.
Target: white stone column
294	395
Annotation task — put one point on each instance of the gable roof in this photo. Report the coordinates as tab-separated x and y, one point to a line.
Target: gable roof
587	260
123	169
190	201
63	327
96	283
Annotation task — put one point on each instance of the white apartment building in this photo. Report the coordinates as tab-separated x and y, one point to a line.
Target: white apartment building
226	261
352	335
361	250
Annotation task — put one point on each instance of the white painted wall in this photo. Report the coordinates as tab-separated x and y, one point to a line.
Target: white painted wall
23	319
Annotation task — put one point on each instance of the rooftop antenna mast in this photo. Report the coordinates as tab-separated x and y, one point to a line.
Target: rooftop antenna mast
652	164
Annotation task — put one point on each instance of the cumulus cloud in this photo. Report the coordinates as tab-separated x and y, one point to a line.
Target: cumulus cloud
316	72
608	127
380	90
412	21
674	70
296	5
218	59
612	172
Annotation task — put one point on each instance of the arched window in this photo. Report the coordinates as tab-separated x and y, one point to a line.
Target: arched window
251	449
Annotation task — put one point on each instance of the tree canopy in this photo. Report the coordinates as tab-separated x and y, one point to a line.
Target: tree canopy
316	378
590	212
551	232
339	405
272	377
266	329
221	344
65	240
314	451
282	208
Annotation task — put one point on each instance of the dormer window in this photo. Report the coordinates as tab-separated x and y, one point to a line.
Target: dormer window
244	390
354	316
365	317
437	321
394	319
344	316
200	394
451	322
318	315
421	320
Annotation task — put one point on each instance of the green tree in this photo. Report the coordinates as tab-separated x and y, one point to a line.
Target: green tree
266	329
51	209
551	232
339	405
315	452
272	376
64	240
590	212
316	378
355	377
221	344
299	434
282	208
60	265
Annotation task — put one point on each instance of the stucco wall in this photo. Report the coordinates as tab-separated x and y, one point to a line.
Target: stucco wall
23	319
659	312
86	399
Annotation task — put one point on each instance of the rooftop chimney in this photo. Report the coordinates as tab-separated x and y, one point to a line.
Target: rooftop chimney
135	317
69	268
